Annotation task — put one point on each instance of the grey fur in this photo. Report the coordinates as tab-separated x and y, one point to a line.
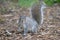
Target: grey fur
28	24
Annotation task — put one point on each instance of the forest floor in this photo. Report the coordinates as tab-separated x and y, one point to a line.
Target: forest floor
9	14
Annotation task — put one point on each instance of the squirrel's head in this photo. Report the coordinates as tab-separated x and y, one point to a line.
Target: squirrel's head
22	18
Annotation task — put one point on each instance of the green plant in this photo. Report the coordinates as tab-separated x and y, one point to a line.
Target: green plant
58	1
51	2
27	3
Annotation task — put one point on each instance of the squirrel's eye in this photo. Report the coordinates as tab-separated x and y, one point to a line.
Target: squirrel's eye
21	27
22	20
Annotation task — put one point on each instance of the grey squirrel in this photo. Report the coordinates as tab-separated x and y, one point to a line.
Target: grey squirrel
27	24
31	24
